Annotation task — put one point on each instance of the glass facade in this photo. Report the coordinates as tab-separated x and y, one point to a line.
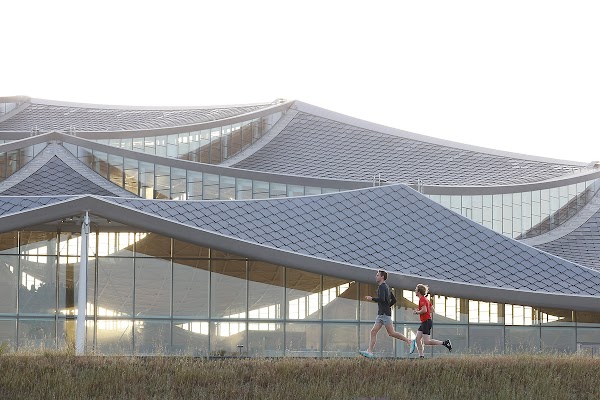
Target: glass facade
150	294
156	181
209	146
525	214
7	107
14	160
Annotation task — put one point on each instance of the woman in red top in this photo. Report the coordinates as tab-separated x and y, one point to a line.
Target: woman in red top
424	334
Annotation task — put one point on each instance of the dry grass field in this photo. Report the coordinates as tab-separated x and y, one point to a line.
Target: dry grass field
64	376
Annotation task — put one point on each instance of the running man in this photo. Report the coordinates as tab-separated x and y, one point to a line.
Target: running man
423	335
384	301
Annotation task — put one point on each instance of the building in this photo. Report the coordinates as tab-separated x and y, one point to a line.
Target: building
257	229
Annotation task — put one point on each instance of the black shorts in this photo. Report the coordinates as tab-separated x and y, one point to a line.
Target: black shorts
426	327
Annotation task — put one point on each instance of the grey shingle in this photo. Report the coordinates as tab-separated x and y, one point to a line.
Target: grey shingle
312	145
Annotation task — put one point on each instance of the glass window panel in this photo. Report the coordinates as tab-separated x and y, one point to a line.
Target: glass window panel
37	289
340	340
152	337
302	340
556	317
243	188
311	190
190	338
295	190
225	338
191	283
152	245
36	243
9	280
146	180
368	309
406	303
68	286
277	189
260	189
9	243
521	339
194	191
559	340
152	287
131	175
329	190
115	287
589	335
340	299
8	334
265	290
448	310
210	186
303	295
585	318
37	334
457	334
114	336
228	293
188	250
486	339
265	339
227	188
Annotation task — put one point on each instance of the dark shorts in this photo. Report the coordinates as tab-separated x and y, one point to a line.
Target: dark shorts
426	327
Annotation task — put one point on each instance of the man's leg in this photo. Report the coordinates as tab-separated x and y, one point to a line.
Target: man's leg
392	332
420	343
376	327
431	342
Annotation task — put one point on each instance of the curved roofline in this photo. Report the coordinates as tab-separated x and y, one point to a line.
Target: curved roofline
135	133
560	181
360	123
60	103
293	179
101	207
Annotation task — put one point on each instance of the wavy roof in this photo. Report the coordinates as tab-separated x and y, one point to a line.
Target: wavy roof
49	116
319	143
348	234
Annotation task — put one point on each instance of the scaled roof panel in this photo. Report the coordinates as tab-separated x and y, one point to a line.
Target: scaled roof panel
312	145
55	178
55	171
391	227
56	117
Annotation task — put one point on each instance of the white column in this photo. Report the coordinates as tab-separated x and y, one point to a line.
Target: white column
82	295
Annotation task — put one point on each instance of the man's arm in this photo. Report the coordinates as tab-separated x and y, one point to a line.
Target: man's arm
381	295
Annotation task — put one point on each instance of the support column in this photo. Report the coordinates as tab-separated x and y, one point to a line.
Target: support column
82	295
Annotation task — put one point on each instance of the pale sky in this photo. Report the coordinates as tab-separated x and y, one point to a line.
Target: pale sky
520	76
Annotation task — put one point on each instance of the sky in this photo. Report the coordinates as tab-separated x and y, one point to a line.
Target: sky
520	76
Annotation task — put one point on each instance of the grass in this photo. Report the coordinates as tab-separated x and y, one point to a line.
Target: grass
64	376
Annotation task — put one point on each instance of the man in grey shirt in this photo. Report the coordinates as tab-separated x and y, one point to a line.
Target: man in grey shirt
384	301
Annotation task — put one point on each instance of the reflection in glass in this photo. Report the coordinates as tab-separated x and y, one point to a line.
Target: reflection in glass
486	339
303	295
152	287
9	280
302	340
191	280
152	337
340	340
114	337
228	289
35	334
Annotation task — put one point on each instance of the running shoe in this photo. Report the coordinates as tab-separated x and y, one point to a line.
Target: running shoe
366	353
413	346
447	345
